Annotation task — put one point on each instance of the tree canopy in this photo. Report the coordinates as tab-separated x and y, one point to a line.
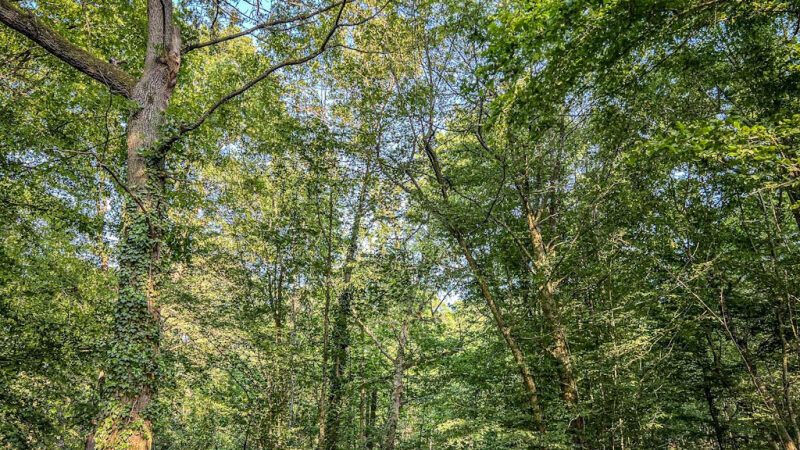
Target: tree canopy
399	224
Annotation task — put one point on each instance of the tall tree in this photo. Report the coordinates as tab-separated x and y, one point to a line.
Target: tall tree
134	354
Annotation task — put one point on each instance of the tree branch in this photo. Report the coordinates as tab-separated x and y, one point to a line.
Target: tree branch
116	178
31	27
373	337
233	94
263	25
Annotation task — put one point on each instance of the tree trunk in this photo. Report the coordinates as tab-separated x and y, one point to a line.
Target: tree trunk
133	359
326	322
552	315
362	401
373	409
340	342
719	429
505	330
778	415
397	389
340	338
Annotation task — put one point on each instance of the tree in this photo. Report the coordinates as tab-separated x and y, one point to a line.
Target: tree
442	225
133	358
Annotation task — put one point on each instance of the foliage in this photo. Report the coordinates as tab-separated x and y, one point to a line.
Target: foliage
481	208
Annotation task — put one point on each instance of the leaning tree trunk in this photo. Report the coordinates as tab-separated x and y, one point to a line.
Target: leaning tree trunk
505	330
133	360
554	322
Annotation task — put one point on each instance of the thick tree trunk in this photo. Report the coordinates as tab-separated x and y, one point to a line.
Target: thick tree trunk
133	359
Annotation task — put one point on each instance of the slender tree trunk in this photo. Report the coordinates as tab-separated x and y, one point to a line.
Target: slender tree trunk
340	338
397	397
505	330
397	385
326	322
133	359
373	409
362	402
295	349
768	399
719	429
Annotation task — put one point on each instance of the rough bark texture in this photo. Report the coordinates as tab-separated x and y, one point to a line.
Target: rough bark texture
133	360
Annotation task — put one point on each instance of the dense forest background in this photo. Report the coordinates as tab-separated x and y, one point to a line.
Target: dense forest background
413	224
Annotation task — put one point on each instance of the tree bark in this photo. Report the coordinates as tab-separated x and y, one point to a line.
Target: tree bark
133	359
131	378
27	24
552	315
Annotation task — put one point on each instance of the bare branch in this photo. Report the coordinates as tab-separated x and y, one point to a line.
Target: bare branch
366	19
263	25
239	91
113	174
